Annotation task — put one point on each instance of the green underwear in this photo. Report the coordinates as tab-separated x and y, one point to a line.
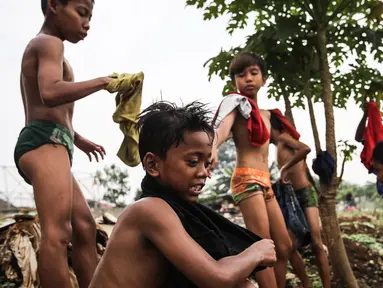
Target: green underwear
40	132
307	197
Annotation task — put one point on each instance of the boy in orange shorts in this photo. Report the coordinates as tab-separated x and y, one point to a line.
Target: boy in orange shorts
250	126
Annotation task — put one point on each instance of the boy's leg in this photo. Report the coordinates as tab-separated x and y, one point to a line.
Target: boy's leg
84	256
48	169
281	239
254	213
312	217
298	264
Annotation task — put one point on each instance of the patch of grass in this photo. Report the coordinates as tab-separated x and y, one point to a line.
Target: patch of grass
367	241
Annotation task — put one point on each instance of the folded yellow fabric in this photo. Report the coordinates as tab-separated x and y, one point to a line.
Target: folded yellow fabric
128	105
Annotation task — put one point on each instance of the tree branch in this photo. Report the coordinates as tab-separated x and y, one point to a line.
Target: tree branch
288	108
341	171
306	6
338	9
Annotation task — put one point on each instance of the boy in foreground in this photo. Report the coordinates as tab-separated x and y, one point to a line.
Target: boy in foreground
250	184
44	150
290	148
167	239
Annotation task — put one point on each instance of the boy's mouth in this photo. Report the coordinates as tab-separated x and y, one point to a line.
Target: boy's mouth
250	87
196	189
83	35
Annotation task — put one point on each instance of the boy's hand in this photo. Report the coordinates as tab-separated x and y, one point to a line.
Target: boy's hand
266	250
283	175
88	147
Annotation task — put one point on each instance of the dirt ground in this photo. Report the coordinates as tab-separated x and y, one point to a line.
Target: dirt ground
363	239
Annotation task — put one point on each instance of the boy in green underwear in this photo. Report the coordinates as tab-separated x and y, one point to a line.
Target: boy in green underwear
44	150
287	149
250	184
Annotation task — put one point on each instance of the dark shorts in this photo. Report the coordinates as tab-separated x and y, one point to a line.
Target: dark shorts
307	197
38	133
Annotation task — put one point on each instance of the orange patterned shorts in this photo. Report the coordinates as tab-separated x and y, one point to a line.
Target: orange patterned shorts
249	182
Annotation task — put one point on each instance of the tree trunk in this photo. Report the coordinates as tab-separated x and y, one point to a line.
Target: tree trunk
288	111
339	260
313	121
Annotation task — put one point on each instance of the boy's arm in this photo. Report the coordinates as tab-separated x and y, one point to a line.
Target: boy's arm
222	133
23	97
53	90
223	130
161	225
301	152
361	128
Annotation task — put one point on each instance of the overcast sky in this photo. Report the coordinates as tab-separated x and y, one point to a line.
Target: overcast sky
168	42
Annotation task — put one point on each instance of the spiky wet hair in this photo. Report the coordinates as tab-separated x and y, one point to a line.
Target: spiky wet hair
163	125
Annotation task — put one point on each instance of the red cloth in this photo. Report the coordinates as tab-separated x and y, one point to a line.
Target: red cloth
258	133
287	127
372	135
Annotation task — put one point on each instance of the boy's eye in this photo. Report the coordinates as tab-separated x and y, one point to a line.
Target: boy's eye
192	163
208	164
81	12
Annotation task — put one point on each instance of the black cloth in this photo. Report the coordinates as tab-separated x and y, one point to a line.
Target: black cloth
215	234
324	166
293	214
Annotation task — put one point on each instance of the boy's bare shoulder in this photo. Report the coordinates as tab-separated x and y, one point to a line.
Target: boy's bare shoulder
265	113
150	210
44	42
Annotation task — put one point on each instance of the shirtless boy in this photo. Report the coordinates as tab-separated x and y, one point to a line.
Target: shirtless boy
250	182
289	149
153	244
44	150
374	166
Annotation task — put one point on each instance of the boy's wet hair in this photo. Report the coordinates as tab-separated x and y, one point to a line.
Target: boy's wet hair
163	125
44	4
244	60
377	154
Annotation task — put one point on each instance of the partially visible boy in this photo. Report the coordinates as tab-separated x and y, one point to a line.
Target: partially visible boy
377	160
167	239
44	150
291	150
369	136
250	184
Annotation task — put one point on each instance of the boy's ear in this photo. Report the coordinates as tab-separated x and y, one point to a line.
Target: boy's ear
264	78
233	85
150	163
52	6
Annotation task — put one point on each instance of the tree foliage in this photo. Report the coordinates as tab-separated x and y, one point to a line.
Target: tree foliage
115	181
285	34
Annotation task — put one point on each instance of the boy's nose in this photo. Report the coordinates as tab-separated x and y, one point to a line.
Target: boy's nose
86	25
203	172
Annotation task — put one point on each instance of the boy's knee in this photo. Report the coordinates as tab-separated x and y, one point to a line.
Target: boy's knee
316	244
57	236
85	230
284	249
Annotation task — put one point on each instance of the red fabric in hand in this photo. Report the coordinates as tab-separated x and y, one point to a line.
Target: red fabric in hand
372	135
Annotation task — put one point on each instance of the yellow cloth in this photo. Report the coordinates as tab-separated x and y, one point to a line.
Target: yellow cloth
128	105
